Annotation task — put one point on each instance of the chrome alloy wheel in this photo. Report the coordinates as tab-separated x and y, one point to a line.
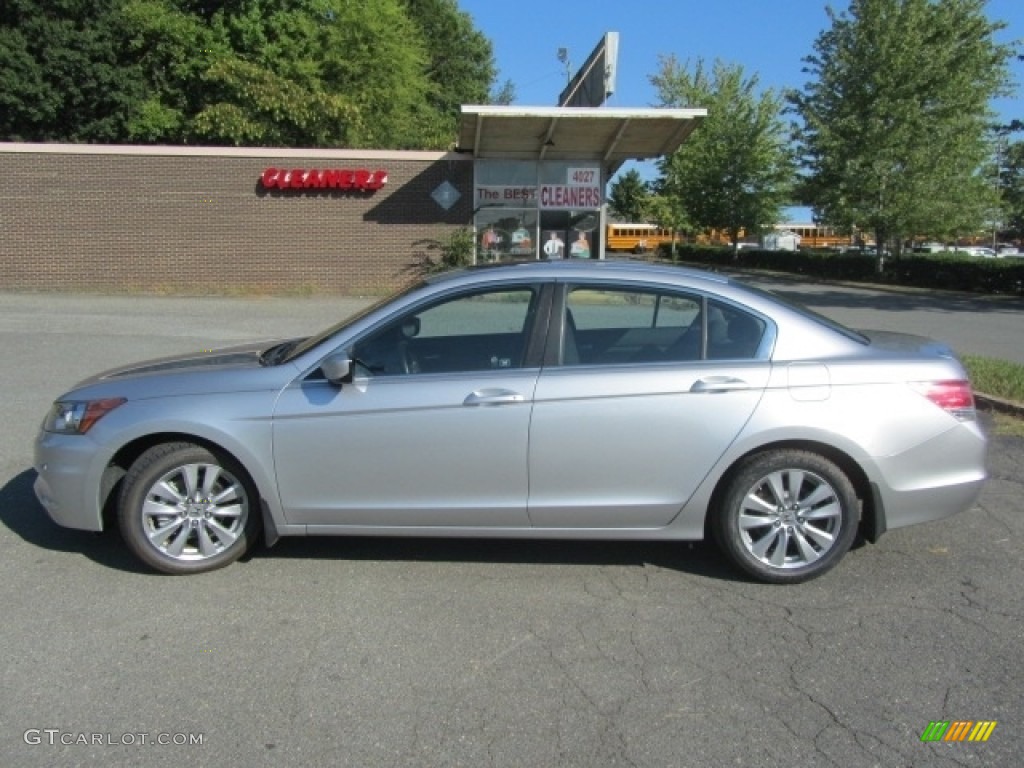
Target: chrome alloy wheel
790	518
195	512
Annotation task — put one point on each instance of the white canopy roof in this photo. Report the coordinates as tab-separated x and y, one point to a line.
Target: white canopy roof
611	136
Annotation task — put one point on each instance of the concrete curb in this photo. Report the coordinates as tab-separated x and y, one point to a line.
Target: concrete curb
990	402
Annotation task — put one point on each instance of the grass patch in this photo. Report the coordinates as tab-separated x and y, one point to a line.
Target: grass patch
1002	379
999	378
1006	425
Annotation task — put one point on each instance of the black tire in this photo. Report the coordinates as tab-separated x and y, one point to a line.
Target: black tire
786	516
184	509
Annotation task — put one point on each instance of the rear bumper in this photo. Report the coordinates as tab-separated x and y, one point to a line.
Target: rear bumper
935	480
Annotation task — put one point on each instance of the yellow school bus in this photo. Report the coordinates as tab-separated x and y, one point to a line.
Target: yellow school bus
636	238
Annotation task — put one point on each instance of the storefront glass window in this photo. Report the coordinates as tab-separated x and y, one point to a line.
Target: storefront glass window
547	210
506	234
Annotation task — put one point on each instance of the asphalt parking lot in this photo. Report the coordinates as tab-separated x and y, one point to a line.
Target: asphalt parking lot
371	652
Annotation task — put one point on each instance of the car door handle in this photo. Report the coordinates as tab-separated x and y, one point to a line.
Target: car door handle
493	397
719	384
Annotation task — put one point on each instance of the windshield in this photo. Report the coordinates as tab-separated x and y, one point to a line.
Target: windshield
305	345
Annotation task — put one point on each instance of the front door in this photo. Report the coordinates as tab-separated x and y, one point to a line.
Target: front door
433	430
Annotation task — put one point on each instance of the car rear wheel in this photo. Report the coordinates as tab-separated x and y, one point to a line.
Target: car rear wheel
184	509
787	516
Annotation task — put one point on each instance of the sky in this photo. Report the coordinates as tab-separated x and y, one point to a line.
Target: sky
768	38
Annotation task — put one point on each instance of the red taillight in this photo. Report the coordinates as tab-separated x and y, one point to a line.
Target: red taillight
955	396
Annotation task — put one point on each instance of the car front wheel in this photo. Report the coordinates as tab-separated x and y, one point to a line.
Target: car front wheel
787	516
184	509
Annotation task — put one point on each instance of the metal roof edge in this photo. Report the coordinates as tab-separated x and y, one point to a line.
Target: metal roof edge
487	110
166	150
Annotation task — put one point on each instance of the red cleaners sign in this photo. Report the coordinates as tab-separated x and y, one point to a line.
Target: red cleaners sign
338	178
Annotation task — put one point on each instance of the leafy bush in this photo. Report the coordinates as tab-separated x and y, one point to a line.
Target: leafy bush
958	272
938	270
453	252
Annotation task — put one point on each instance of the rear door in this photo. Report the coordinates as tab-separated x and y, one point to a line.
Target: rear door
647	391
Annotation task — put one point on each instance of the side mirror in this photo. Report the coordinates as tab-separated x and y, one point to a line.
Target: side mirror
337	368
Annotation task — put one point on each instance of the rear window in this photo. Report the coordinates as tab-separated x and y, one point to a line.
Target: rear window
800	309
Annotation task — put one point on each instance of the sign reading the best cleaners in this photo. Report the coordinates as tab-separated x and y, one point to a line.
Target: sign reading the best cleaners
581	191
497	196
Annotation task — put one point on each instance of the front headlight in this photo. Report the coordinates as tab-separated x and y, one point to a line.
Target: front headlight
76	417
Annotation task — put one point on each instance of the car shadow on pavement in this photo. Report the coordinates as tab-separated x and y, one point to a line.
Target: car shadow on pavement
23	515
697	558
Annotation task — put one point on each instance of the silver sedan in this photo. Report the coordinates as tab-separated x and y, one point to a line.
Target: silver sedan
564	400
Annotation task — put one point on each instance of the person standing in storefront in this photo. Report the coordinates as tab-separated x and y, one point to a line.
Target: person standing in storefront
489	241
580	248
554	248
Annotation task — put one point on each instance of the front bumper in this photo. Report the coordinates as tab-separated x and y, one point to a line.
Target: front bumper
65	467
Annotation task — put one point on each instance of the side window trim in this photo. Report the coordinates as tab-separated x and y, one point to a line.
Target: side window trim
561	324
559	314
533	333
758	350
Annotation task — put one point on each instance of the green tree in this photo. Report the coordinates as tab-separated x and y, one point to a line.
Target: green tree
319	73
895	120
63	73
628	197
735	173
504	94
666	213
356	73
173	45
1011	178
460	59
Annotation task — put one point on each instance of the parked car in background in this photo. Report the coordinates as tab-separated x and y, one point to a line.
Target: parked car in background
970	250
980	251
555	400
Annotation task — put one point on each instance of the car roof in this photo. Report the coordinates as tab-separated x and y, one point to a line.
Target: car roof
609	268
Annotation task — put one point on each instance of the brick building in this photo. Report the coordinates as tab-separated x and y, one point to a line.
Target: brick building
200	220
203	220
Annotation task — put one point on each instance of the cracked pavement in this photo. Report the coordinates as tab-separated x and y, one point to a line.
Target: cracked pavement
373	652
